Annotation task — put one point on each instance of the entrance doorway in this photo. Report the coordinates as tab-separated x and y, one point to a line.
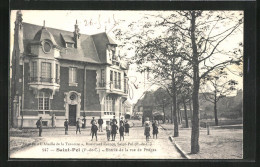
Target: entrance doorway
72	114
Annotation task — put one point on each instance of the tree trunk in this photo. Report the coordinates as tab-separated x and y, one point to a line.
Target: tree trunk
190	109
185	113
178	114
195	121
163	115
174	103
215	113
195	148
22	120
175	121
171	115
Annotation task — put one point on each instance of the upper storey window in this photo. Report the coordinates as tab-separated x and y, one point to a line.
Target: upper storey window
46	47
34	71
69	45
113	54
73	76
46	72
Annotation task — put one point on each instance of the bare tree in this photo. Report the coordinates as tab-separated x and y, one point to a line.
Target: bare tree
202	34
217	86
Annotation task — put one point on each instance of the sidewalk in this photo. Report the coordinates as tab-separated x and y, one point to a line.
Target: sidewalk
220	144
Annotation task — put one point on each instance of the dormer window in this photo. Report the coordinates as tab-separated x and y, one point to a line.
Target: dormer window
69	45
68	41
112	53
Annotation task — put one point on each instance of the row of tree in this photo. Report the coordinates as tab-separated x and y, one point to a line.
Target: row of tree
185	50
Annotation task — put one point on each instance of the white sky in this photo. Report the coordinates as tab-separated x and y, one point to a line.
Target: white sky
100	20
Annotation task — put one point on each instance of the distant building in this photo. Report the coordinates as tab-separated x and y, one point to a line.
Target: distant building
58	74
127	110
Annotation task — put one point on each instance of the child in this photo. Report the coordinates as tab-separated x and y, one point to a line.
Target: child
127	126
114	129
155	129
94	130
121	131
108	130
147	131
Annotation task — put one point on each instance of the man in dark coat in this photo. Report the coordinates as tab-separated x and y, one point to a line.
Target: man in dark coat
155	128
39	125
78	125
66	125
94	130
121	131
127	126
100	123
114	129
114	120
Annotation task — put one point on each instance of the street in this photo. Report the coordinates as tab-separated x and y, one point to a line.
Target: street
55	144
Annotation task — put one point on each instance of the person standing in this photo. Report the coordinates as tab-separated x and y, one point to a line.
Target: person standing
147	131
121	121
78	125
114	120
66	125
108	130
121	131
39	126
93	120
127	126
114	129
155	129
94	130
100	123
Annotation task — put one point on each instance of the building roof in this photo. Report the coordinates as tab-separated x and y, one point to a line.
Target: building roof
92	47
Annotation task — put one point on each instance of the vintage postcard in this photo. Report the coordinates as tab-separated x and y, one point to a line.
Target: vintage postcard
126	84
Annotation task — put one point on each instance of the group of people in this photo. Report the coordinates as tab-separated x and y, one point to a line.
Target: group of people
147	129
111	128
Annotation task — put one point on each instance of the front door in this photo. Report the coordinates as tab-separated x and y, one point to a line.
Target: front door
72	115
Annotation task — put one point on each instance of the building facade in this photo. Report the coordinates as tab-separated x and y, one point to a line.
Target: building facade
58	74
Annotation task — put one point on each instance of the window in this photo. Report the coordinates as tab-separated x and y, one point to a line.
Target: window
111	78
110	104
115	80
125	85
46	72
57	74
102	84
34	71
44	101
73	75
69	45
47	47
119	80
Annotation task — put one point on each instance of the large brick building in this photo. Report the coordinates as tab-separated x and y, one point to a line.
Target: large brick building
58	74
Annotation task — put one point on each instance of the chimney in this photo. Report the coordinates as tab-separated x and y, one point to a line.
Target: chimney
77	35
18	31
